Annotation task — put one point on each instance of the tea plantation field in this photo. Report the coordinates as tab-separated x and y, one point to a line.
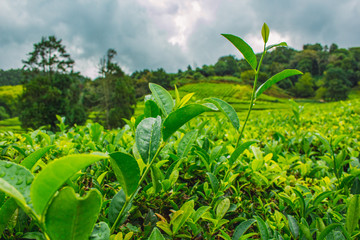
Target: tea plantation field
294	175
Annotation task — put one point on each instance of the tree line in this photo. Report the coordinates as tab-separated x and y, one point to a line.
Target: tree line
51	87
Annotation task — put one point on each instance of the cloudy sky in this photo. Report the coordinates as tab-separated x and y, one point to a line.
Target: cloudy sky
169	33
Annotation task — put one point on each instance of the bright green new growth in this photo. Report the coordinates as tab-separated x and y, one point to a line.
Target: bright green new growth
250	57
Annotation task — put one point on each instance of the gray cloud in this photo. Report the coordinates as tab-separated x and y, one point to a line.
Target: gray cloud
168	33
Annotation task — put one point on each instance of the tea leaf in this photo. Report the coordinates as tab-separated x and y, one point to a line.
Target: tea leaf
71	217
262	228
126	170
227	110
186	143
239	150
117	203
6	212
188	209
244	48
101	232
156	235
214	182
282	44
265	31
151	109
15	180
353	214
242	228
328	230
222	208
148	137
294	227
276	78
178	118
162	98
31	160
200	212
49	180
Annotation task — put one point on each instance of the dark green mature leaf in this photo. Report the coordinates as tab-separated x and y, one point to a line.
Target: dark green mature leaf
49	180
70	217
101	231
156	235
31	160
186	143
151	109
242	228
181	116
116	205
244	48
214	182
162	98
321	197
262	228
148	137
276	78
227	110
355	188
353	214
15	180
265	31
293	225
328	230
126	170
239	150
6	212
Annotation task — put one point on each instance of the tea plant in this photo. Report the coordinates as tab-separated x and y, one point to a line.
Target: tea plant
173	173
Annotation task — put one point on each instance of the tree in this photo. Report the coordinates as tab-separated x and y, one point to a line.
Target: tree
336	84
226	65
49	56
53	88
304	86
113	93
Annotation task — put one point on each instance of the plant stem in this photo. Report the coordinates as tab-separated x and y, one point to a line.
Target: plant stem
129	199
252	97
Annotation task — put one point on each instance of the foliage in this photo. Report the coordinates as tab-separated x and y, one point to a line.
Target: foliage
11	77
113	93
41	101
8	99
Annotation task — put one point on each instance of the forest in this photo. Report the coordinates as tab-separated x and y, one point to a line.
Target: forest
329	75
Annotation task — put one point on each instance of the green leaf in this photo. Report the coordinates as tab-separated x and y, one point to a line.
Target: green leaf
353	214
355	188
156	178
199	213
148	137
70	217
117	203
262	228
306	231
294	227
227	110
181	116
214	182
186	143
101	231
126	170
328	230
6	212
31	160
282	44
188	209
244	48
49	180
276	78
239	150
301	202
265	31
162	98
321	197
242	228
156	235
222	208
15	181
151	109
